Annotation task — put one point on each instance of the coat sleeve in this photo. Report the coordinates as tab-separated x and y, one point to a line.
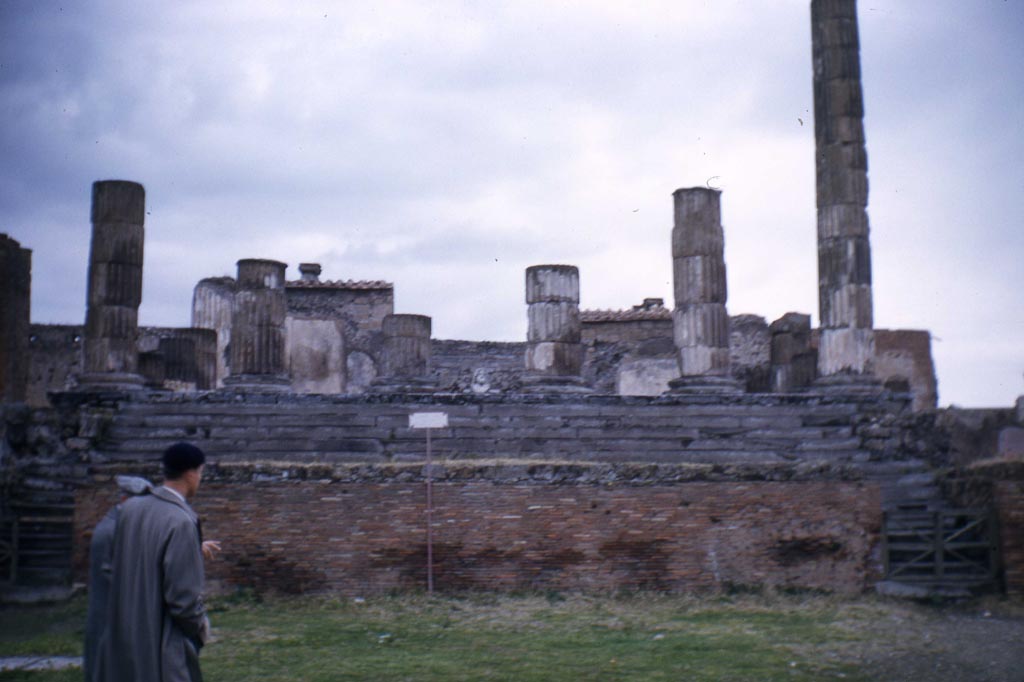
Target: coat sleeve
183	579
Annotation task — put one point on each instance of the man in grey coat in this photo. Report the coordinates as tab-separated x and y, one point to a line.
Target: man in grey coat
156	618
101	554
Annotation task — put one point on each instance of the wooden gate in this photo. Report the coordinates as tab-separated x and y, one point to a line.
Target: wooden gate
951	547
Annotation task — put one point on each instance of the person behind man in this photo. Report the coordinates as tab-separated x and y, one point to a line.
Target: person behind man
156	620
101	553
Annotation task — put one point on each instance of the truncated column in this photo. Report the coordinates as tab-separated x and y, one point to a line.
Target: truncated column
554	353
257	327
115	286
405	362
844	253
700	322
213	303
15	301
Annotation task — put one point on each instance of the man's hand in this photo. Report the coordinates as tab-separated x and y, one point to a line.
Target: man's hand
210	549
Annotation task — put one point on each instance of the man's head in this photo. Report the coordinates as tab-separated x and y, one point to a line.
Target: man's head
183	467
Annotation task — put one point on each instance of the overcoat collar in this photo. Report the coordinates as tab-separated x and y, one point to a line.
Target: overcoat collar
167	496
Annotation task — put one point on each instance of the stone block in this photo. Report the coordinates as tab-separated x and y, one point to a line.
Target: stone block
118	201
699	279
846	306
554	321
842	221
552	284
554	358
645	376
701	324
846	350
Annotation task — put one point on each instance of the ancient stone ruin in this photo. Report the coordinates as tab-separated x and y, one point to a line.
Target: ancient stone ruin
652	448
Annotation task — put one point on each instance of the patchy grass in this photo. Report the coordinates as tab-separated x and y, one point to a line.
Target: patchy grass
738	637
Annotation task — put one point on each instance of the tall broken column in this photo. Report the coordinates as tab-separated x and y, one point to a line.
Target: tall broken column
700	322
846	346
554	352
15	318
111	358
257	327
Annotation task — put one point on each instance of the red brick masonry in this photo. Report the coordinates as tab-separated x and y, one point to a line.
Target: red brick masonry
359	530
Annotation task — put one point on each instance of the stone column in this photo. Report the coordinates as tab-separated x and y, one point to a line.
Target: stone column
257	328
846	346
554	352
15	318
793	360
206	357
700	322
213	303
405	361
115	287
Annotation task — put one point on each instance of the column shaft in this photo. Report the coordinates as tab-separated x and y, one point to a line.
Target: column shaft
844	251
553	347
257	326
115	285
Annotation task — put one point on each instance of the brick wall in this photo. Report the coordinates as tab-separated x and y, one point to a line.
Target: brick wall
359	530
1009	501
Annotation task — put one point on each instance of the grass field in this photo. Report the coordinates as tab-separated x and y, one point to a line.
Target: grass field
491	637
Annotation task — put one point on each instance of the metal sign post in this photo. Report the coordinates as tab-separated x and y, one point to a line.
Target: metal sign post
428	421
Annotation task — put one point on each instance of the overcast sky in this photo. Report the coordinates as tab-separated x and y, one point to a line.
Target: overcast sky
446	146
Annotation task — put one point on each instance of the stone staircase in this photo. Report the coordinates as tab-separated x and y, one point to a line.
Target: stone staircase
322	429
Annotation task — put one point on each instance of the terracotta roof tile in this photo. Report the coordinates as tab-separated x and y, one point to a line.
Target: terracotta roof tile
649	314
339	284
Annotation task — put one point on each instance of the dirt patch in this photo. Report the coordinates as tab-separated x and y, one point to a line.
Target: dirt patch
893	641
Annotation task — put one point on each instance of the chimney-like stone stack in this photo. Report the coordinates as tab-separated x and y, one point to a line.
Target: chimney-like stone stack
405	361
115	287
554	352
15	317
846	347
257	327
309	272
700	321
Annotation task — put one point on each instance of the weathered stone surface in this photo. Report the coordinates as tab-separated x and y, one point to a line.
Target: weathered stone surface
554	358
699	279
552	284
316	355
846	351
904	355
646	376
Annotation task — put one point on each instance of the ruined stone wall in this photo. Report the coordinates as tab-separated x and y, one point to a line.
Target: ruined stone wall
477	366
358	309
905	356
360	530
55	357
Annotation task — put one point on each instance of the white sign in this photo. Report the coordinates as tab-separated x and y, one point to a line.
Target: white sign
428	420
